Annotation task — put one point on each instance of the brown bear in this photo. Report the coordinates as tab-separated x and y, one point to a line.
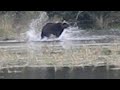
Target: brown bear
55	29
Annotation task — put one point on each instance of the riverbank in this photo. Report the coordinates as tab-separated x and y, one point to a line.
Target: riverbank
57	55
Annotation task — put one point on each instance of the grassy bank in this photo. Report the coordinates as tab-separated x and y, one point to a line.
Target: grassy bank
47	56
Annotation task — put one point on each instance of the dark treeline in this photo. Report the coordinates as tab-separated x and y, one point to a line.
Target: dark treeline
85	19
90	19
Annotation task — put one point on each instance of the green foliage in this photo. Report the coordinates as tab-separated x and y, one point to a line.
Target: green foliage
90	19
66	15
103	19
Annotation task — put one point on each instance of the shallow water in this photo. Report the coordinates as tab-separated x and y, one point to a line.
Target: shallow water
83	36
89	72
71	49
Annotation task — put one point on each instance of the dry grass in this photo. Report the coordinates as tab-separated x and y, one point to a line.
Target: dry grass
6	26
43	56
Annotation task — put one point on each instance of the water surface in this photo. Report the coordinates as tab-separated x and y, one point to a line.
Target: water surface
88	72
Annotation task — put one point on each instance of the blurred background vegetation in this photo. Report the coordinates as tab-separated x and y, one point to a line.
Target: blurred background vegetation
13	23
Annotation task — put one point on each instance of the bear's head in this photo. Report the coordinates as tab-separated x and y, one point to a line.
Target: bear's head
65	25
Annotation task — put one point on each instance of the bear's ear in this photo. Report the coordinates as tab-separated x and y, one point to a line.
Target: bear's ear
65	25
65	21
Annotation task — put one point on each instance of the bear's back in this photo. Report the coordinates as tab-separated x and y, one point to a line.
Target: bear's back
52	26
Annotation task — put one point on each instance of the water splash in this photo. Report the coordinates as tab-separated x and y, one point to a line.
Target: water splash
33	34
71	33
36	25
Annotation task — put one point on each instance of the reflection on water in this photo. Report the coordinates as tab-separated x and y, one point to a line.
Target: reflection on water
88	72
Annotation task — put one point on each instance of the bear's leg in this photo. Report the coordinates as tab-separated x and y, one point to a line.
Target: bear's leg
45	35
42	35
58	34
